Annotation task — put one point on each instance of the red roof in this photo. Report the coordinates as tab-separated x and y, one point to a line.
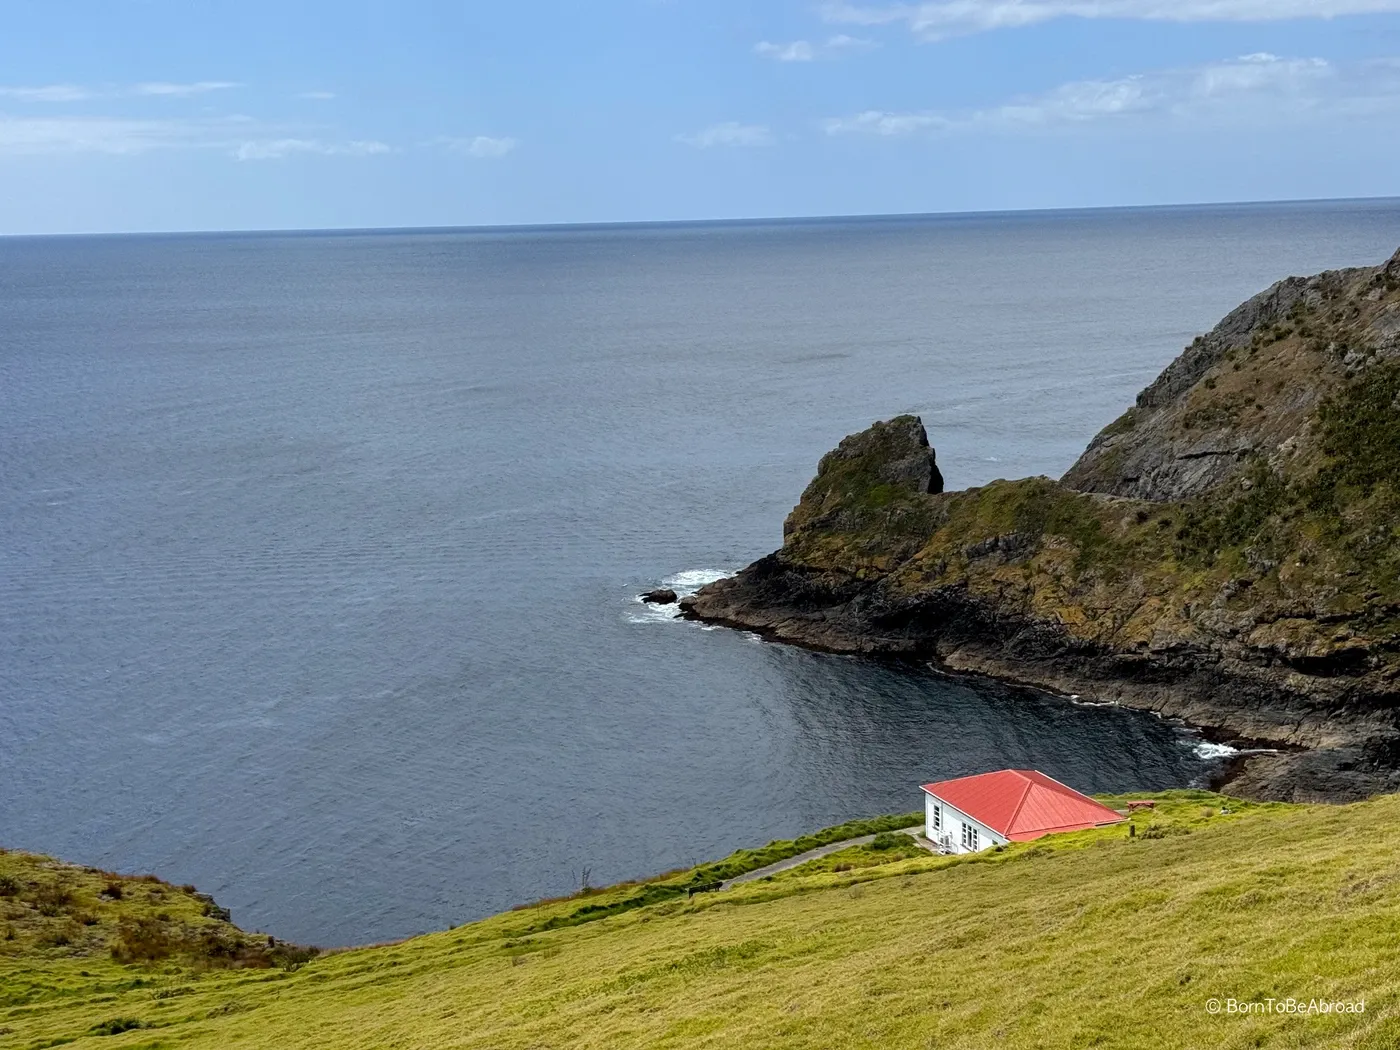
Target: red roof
1023	804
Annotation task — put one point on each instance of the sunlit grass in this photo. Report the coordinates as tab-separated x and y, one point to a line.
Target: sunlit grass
1090	939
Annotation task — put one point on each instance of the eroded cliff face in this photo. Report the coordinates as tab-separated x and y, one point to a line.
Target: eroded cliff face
1248	388
1227	552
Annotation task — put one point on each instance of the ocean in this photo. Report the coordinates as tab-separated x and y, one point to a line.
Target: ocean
319	552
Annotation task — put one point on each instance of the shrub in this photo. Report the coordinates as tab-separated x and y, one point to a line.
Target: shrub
59	935
143	940
51	898
889	840
117	1025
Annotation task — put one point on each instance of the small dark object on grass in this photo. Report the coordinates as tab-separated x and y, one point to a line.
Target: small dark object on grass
117	1025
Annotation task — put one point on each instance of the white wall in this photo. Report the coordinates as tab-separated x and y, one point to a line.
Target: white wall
953	820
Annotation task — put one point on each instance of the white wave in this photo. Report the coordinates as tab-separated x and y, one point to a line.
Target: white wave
690	581
1079	701
684	584
654	613
1208	749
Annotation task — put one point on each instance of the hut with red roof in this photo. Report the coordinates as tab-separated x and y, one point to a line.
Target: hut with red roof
1012	805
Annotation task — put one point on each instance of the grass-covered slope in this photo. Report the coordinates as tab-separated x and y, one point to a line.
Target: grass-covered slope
1092	939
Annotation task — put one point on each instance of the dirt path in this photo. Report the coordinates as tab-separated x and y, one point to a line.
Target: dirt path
821	851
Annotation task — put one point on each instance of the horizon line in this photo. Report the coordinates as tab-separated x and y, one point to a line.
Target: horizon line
755	220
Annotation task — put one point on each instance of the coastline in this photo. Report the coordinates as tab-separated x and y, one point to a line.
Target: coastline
1293	748
1224	553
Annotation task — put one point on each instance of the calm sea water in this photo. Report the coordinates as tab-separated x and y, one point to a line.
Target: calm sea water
318	553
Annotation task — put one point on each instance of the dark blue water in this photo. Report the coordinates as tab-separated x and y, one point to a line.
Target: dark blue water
318	552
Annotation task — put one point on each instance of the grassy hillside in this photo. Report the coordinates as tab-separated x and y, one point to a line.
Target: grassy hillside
1087	940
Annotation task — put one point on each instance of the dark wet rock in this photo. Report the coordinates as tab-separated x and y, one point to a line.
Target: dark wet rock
660	596
1224	553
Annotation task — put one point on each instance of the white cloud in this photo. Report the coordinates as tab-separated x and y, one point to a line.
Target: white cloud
80	93
319	96
486	146
276	149
115	136
729	133
1258	88
797	51
201	87
805	51
111	135
47	93
483	147
940	19
877	122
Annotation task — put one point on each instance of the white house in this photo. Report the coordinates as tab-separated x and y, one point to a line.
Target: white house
1013	805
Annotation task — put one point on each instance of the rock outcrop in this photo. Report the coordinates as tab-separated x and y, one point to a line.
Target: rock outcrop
1228	551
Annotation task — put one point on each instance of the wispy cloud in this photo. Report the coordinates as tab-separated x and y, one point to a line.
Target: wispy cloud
1258	88
199	87
483	147
81	93
277	149
940	19
806	51
238	137
878	122
729	133
110	135
47	93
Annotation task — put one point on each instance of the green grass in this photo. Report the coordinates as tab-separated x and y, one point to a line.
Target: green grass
856	858
1092	939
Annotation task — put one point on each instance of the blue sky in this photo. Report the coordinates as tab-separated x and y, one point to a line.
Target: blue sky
160	115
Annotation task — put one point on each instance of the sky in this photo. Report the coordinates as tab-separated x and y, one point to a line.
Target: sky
157	115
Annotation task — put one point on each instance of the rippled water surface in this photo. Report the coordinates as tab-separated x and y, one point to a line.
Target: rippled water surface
318	553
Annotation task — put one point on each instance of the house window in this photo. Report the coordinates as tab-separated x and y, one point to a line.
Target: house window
969	837
937	818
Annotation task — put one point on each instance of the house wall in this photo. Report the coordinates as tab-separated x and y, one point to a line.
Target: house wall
951	831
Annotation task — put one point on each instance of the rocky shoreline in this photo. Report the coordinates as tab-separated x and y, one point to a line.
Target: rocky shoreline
1254	594
1317	753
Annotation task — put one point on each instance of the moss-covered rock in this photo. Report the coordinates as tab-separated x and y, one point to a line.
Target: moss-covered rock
1227	551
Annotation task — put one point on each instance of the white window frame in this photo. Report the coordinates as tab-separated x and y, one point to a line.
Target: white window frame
969	836
937	817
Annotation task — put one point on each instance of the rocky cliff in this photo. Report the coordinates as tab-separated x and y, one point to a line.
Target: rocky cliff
1227	551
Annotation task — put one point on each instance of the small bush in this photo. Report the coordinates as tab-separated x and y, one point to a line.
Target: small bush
59	935
52	898
9	886
1161	831
890	840
117	1025
143	940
